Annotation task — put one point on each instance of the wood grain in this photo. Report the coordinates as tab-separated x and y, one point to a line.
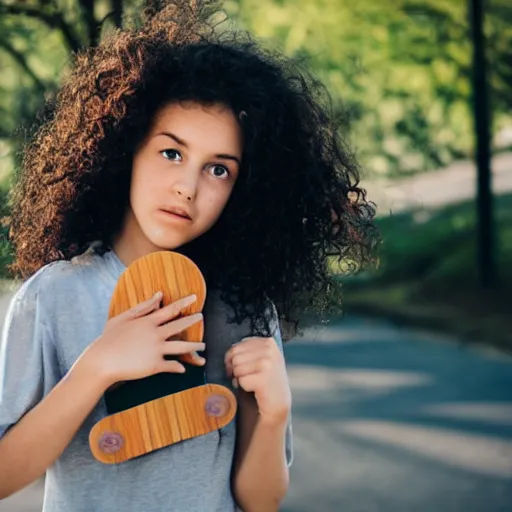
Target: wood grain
161	422
171	273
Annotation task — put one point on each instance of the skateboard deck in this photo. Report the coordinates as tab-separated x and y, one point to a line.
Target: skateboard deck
150	413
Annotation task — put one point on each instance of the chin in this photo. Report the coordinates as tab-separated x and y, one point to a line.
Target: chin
168	246
168	243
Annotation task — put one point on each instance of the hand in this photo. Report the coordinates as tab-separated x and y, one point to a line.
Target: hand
259	367
133	344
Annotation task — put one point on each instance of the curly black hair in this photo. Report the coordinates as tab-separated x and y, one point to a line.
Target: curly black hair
297	201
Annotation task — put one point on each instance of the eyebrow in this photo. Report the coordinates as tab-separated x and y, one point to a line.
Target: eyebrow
185	145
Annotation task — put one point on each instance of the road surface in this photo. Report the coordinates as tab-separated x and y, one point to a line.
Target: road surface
387	419
434	189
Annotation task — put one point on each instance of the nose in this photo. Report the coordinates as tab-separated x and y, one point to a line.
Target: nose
186	184
186	196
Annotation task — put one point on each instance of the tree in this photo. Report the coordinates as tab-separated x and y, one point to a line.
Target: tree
36	39
486	263
78	26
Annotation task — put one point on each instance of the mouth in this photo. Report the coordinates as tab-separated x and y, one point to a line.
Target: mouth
177	213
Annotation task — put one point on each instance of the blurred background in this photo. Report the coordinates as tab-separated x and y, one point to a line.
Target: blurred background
405	402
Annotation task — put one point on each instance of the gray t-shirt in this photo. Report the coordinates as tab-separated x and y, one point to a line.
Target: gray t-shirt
52	318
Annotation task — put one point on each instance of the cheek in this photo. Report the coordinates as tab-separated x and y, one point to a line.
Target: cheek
135	191
215	202
141	187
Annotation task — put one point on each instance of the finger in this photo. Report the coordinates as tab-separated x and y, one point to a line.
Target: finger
244	357
171	366
141	309
249	368
197	359
249	383
193	358
179	325
172	310
244	347
171	348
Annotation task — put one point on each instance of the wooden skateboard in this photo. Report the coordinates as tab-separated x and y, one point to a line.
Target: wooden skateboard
163	409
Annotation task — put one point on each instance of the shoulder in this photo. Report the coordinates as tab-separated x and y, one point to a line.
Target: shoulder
55	279
30	289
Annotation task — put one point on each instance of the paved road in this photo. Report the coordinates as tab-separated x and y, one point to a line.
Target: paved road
390	420
452	184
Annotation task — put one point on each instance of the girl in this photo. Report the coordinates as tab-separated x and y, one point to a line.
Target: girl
171	136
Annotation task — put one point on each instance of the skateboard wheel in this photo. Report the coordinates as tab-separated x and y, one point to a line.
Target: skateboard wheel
217	406
110	442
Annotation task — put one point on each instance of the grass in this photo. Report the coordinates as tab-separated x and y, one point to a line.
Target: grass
428	274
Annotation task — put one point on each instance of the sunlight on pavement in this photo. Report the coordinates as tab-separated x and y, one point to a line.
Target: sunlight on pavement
306	379
477	453
497	413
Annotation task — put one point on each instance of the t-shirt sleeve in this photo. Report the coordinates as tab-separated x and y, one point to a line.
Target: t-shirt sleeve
28	363
289	432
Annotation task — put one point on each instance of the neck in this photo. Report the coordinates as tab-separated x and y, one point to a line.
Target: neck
130	243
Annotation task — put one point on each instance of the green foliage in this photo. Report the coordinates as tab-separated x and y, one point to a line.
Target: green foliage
36	40
399	69
499	30
438	248
6	255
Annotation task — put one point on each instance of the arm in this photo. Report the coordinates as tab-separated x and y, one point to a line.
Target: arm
132	346
260	476
260	470
40	437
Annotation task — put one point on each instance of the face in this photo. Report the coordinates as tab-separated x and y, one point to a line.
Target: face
182	177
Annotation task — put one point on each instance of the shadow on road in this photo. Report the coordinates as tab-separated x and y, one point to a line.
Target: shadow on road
389	419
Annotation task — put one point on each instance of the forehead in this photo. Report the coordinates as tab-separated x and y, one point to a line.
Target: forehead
200	125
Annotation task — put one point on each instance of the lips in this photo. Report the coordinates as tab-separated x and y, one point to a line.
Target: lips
178	211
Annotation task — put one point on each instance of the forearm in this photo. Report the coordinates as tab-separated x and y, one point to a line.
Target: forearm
40	437
261	479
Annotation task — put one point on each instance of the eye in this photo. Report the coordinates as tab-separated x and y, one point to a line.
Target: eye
219	171
171	154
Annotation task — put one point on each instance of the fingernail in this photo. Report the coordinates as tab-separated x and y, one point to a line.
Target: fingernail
189	300
158	295
234	382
